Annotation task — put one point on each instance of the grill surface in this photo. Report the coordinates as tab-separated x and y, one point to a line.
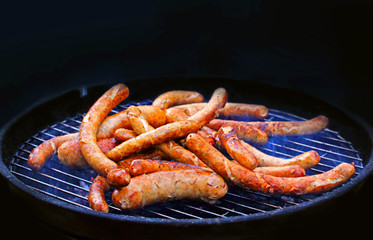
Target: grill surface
72	186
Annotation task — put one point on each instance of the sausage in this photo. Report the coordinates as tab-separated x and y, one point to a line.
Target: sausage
89	126
153	154
171	131
70	155
235	148
118	177
145	166
175	114
122	134
154	115
244	132
241	110
284	171
96	194
170	148
176	97
275	128
265	183
158	187
305	160
40	154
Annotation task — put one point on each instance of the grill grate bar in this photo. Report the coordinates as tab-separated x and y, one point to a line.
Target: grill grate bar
56	170
48	185
236	202
60	198
183	213
51	177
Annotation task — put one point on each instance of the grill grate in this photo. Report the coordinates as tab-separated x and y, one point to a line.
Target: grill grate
72	186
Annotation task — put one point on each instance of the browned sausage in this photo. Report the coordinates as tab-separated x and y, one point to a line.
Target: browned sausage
170	148
118	177
244	132
145	166
265	183
176	97
158	187
172	130
40	154
284	171
153	154
96	195
305	160
122	134
283	128
235	148
231	109
175	114
89	126
70	155
154	115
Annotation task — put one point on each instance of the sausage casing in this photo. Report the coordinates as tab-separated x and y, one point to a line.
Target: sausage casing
158	187
278	128
96	194
89	126
175	97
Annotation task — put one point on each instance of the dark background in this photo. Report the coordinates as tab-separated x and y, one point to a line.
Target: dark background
323	48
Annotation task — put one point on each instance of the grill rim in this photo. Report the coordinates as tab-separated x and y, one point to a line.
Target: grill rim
333	194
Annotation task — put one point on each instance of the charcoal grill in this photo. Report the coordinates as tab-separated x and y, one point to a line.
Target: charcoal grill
347	139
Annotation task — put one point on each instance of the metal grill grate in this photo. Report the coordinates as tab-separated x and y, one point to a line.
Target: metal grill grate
72	186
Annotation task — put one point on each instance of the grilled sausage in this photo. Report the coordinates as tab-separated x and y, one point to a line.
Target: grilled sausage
96	195
235	148
154	115
153	154
283	128
70	155
305	160
265	183
172	130
122	134
40	154
284	171
118	177
170	148
89	126
176	97
158	187
145	166
241	110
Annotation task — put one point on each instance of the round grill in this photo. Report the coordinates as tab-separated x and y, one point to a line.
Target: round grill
72	186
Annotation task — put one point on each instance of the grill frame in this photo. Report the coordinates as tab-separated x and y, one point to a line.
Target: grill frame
79	213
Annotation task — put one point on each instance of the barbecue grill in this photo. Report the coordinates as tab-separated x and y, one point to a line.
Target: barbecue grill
60	191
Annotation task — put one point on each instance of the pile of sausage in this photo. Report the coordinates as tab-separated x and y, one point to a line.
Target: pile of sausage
169	150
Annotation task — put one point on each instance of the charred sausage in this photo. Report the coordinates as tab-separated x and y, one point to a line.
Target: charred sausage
158	187
265	183
176	97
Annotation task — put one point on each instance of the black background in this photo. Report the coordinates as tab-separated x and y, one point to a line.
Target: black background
323	48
